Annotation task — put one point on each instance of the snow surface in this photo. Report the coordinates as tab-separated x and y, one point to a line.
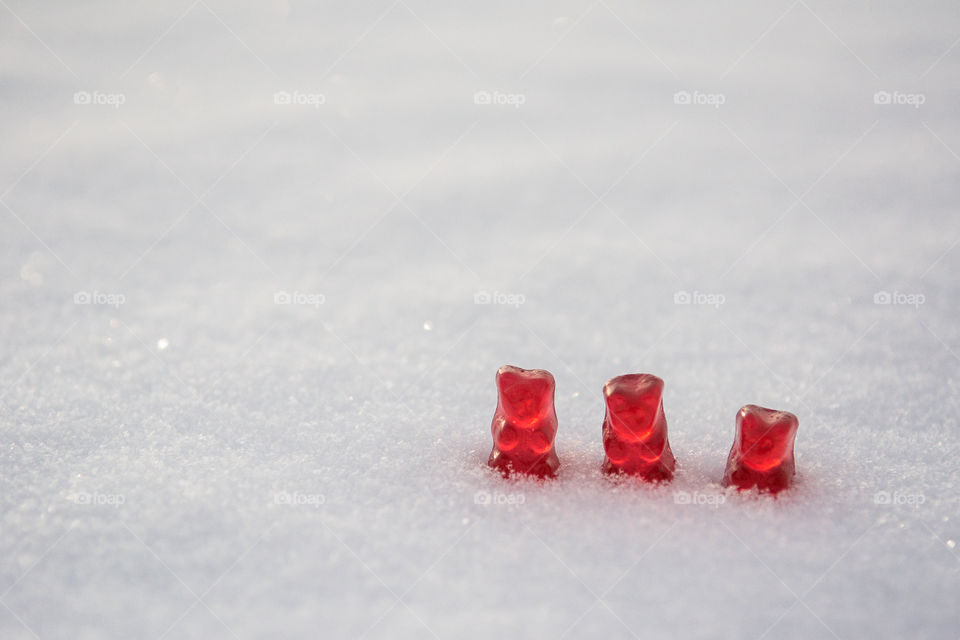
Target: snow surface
201	462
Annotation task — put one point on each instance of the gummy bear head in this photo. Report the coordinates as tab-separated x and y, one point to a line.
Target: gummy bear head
765	436
526	395
633	401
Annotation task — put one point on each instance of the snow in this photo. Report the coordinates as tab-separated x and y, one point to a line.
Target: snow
271	417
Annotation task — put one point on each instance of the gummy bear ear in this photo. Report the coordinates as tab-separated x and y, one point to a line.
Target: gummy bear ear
746	422
786	425
505	378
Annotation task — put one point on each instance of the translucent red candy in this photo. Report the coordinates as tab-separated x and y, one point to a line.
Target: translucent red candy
635	429
762	452
525	423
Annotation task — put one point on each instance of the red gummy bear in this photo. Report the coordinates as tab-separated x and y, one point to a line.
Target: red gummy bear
635	429
762	452
525	423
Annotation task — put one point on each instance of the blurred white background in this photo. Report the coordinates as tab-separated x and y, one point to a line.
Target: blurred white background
246	373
